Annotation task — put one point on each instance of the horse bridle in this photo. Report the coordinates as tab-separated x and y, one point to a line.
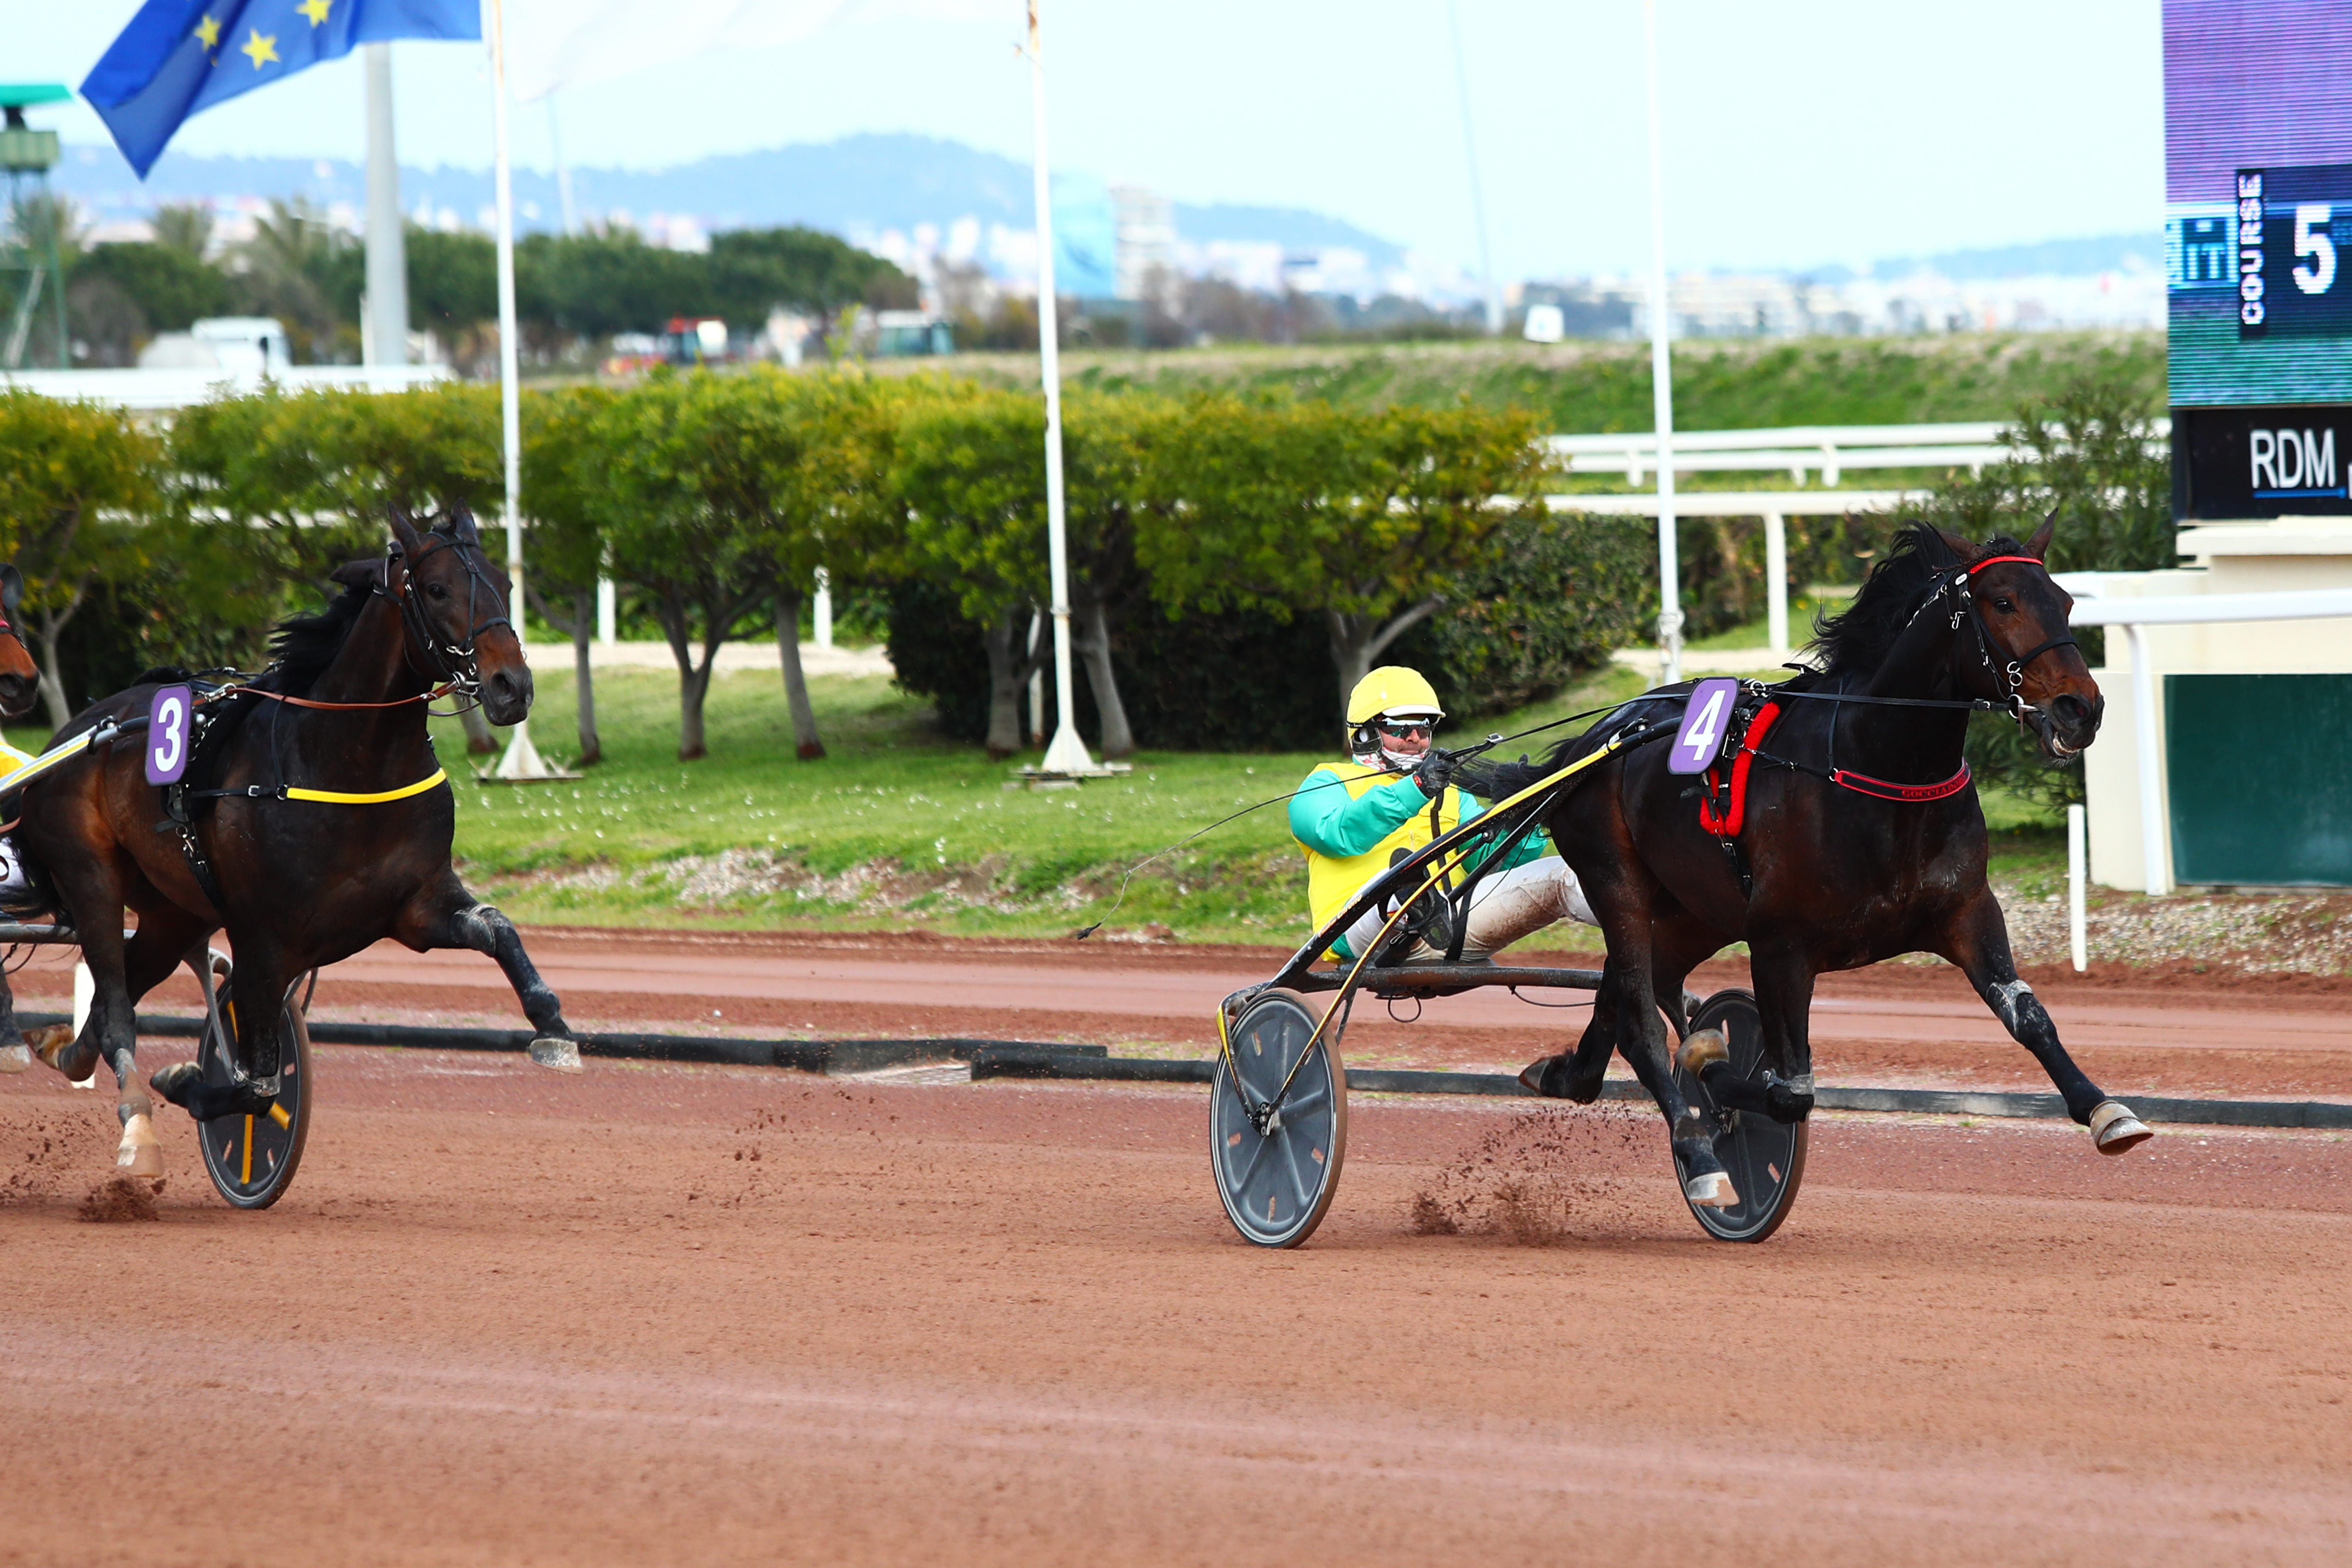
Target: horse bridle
453	664
2009	678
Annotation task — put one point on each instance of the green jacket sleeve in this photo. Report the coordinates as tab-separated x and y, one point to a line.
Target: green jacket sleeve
1329	821
1534	847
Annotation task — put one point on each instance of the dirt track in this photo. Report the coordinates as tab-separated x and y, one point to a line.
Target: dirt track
506	1317
678	1314
2133	1031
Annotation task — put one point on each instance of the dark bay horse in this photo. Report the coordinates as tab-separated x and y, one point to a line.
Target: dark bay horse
1845	870
297	883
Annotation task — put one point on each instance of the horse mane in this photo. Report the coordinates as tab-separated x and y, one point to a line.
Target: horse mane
302	646
1859	639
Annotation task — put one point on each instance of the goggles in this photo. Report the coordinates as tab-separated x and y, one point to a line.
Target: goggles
1400	729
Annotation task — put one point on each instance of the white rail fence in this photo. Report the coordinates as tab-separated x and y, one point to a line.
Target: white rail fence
1798	450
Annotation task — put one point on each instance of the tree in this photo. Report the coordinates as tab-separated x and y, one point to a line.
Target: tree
564	474
73	476
306	478
1353	516
303	270
968	476
681	531
753	270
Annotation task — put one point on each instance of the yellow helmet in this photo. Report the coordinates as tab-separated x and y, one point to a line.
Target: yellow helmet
1393	688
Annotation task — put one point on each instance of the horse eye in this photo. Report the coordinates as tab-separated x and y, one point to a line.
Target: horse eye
439	592
2003	605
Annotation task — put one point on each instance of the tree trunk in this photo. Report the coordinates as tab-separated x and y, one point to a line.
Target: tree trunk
692	685
1094	645
584	626
1358	640
53	685
1006	672
805	744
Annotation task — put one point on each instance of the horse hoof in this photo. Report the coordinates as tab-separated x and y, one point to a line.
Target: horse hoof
176	1082
1531	1077
2115	1129
1710	1190
15	1059
50	1042
140	1153
1700	1050
557	1056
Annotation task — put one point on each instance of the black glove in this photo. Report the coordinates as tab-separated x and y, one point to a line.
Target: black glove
1436	771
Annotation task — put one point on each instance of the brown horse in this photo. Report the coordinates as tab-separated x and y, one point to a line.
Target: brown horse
298	881
20	685
1863	838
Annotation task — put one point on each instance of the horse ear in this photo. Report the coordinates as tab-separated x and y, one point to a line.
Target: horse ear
411	542
462	526
2039	545
1960	547
12	589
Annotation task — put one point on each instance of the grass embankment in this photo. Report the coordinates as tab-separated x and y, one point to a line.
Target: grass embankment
896	828
1593	387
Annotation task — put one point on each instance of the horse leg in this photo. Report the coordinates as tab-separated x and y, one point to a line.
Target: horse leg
164	932
15	1055
255	1003
1578	1077
450	916
1978	940
1784	997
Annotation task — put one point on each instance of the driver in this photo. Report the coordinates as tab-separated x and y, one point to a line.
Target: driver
1356	818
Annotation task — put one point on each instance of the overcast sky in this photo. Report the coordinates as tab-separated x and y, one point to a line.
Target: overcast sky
1799	131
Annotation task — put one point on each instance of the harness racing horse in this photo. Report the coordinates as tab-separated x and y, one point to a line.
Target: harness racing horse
20	686
1862	838
329	825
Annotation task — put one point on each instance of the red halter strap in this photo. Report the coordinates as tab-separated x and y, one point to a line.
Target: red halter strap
1996	559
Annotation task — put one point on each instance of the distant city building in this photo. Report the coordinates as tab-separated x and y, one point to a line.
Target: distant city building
1144	242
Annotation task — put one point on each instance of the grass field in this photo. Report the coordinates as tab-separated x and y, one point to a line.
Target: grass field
899	829
1597	387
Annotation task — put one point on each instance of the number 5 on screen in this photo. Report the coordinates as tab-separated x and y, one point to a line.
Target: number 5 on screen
2311	221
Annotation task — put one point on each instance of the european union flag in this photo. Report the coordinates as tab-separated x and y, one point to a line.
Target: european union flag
180	56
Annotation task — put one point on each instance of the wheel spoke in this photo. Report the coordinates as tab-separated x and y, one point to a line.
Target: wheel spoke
1249	1171
1303	1101
1300	1186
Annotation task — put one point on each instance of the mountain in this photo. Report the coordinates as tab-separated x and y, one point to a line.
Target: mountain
860	186
2048	258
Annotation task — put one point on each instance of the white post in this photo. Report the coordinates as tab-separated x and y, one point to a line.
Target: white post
1067	753
822	610
2153	838
1776	581
608	612
1470	152
1670	588
521	760
2078	938
387	249
85	998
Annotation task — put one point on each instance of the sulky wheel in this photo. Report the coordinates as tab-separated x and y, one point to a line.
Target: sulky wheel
1275	1173
1766	1159
251	1159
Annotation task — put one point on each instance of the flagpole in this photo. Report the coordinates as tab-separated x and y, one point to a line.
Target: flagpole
1067	754
521	760
1670	591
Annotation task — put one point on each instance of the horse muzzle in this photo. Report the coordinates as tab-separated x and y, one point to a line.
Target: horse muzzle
16	695
506	694
2066	725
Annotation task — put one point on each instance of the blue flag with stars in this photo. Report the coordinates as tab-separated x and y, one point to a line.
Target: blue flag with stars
180	56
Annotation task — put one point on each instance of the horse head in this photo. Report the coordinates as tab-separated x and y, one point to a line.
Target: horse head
454	603
2030	656
20	677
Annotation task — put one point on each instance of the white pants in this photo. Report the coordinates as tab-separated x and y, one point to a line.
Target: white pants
1505	907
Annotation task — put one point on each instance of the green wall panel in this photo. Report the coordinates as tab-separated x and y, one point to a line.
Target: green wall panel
2260	770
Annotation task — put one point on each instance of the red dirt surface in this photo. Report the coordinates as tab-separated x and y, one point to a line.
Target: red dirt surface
661	1314
2134	1031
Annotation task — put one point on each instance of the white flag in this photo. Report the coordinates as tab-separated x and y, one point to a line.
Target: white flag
572	42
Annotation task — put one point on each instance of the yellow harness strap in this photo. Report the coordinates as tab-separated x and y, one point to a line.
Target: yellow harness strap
338	797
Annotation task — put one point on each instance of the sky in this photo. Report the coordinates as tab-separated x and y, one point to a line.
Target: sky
1798	132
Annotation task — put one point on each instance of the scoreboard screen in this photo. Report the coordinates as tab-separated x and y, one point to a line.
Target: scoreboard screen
2258	241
